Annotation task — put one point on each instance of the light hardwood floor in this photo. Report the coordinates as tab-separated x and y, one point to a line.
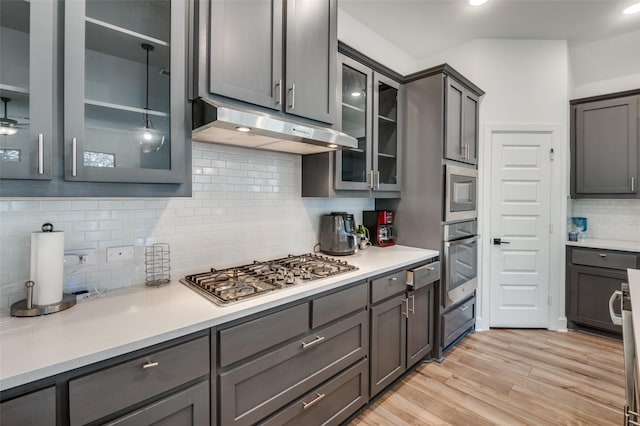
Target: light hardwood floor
511	377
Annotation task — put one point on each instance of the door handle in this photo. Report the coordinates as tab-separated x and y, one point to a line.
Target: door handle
413	304
278	87
405	302
616	319
40	153
314	342
633	184
292	105
74	157
498	241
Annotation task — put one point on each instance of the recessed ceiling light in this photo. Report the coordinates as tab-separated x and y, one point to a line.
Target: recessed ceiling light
477	2
634	8
356	94
243	129
332	145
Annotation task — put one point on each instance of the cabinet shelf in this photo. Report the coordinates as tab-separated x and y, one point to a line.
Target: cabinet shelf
123	43
386	119
124	108
351	107
14	89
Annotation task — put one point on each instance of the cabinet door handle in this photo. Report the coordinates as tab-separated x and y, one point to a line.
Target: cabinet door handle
377	179
40	153
314	342
468	150
405	303
150	364
463	148
413	304
278	88
371	184
292	105
463	308
633	184
317	399
603	255
74	157
393	279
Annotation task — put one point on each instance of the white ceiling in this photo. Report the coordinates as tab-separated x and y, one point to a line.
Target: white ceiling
424	27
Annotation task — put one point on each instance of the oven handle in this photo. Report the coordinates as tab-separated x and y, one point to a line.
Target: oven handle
461	242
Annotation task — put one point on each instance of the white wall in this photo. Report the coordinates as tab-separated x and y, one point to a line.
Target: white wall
526	82
246	206
362	38
606	66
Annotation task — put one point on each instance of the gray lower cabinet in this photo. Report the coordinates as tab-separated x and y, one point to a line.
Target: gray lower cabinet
331	403
100	394
247	60
34	409
605	148
189	407
26	89
592	277
255	390
388	342
401	324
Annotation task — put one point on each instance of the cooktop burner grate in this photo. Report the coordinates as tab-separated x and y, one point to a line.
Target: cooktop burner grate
238	283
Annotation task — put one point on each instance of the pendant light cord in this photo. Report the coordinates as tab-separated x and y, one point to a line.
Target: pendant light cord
146	107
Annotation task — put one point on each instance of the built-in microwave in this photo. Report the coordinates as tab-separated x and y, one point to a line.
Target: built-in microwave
461	198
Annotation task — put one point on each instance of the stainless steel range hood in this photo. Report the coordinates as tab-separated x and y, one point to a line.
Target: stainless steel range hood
217	122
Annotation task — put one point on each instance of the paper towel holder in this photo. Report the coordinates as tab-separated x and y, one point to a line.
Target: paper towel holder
26	308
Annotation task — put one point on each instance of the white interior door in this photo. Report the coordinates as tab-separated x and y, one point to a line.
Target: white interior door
520	206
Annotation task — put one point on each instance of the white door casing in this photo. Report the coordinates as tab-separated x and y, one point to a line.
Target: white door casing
520	203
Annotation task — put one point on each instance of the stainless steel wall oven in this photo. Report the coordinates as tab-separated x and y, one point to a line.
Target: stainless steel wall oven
460	261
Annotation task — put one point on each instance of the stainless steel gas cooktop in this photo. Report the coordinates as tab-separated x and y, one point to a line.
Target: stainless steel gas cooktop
235	284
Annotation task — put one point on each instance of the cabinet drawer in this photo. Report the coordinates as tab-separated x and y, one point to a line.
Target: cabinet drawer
423	275
189	407
457	321
254	391
251	337
388	285
98	394
328	308
329	404
604	258
37	408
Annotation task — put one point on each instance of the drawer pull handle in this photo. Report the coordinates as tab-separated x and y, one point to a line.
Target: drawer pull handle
317	399
150	364
393	279
315	341
603	255
463	308
430	268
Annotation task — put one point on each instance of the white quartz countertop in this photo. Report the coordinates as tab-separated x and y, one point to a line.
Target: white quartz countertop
129	319
607	244
634	291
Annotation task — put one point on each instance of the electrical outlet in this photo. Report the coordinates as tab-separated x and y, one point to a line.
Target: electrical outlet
82	257
117	254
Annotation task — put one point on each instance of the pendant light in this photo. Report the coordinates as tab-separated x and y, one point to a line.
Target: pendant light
7	126
147	136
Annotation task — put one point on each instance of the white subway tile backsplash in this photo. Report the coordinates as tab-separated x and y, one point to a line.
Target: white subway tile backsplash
609	219
246	205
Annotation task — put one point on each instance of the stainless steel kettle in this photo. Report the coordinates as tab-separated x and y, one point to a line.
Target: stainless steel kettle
338	234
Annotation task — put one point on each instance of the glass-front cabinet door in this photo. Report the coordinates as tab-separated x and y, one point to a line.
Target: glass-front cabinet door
354	166
124	91
386	134
26	89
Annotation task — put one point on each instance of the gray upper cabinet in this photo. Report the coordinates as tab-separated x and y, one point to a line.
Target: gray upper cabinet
125	97
369	110
461	118
248	63
246	51
311	46
605	148
26	89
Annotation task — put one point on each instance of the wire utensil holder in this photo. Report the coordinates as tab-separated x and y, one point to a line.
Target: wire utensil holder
157	264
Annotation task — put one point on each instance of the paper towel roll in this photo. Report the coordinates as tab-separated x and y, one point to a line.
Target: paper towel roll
47	262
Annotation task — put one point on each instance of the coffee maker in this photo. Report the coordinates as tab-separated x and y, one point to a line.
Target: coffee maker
380	225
